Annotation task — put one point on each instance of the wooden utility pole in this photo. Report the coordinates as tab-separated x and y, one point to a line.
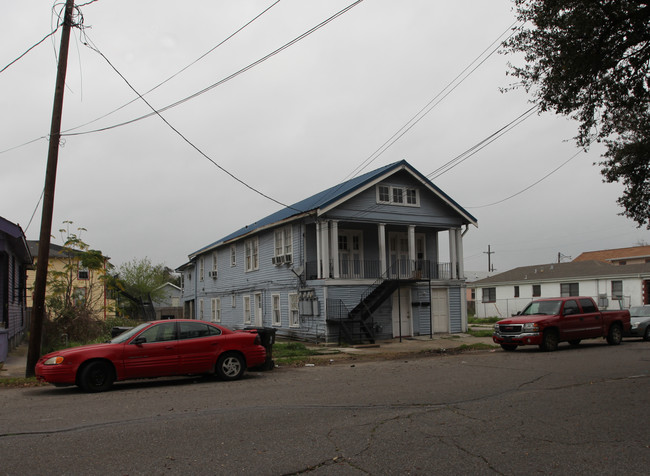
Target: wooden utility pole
38	306
489	252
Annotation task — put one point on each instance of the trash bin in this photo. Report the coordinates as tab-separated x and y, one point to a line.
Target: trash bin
267	336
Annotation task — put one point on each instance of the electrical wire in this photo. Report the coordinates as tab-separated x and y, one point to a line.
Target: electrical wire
224	80
30	49
181	135
534	183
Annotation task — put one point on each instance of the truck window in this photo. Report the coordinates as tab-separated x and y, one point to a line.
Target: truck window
588	306
571	307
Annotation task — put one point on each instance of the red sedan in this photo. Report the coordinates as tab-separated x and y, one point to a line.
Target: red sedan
155	349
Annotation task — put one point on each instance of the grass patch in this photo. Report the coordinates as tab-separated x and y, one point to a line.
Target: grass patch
480	333
19	382
295	352
486	320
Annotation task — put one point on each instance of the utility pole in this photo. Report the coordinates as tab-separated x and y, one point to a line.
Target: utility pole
489	252
38	307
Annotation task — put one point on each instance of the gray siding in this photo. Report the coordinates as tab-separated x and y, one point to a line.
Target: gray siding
455	310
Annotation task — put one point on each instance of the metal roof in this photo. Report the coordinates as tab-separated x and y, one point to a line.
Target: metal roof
321	200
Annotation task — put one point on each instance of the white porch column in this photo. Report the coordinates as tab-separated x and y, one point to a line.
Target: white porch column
335	248
319	247
459	254
453	259
325	252
412	244
381	229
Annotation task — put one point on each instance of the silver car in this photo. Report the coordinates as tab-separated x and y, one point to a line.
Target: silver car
640	322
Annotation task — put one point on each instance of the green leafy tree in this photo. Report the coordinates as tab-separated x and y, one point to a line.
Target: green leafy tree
139	280
75	291
590	60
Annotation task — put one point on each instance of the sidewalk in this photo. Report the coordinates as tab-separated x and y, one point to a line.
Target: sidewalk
439	343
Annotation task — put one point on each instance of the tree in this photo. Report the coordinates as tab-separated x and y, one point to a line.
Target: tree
590	60
75	290
142	280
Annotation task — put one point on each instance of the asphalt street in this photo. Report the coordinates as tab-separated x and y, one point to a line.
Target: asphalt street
574	411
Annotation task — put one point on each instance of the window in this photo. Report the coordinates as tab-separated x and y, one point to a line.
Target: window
294	318
537	290
159	333
83	273
489	295
201	269
216	309
214	262
79	296
233	255
516	291
283	251
569	289
277	316
252	250
195	330
398	195
201	308
247	309
617	290
571	307
233	300
588	306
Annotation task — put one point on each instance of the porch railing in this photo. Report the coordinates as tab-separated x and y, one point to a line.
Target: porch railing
371	269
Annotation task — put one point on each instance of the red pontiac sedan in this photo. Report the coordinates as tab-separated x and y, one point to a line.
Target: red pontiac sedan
155	349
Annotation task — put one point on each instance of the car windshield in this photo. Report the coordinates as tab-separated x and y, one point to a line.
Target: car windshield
640	311
128	334
548	308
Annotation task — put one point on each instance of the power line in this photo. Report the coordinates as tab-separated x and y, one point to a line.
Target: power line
534	183
227	78
29	49
190	143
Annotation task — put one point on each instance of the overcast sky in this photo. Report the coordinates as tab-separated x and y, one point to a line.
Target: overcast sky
297	123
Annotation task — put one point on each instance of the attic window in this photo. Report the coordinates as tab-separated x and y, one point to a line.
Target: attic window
398	195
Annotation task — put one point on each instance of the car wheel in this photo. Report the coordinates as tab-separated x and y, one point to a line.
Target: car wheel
550	341
96	377
230	367
574	342
614	335
509	347
646	336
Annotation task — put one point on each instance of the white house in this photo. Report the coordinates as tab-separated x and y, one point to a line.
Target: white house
613	286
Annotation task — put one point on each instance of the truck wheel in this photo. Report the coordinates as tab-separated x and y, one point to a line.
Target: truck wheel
549	341
509	347
574	342
614	335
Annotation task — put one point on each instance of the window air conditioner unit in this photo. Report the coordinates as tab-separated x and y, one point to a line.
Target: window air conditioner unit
287	258
212	274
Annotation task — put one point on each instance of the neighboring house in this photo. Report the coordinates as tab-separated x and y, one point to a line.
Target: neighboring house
168	306
86	282
618	256
612	286
359	261
15	260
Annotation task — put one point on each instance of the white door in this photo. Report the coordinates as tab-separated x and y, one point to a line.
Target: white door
398	251
350	254
258	309
440	311
402	313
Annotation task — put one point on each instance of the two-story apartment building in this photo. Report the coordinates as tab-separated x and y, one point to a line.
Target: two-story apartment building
357	262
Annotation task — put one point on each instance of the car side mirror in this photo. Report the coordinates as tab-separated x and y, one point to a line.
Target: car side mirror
140	340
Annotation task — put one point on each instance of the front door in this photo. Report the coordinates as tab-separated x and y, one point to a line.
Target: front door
156	356
258	309
350	245
398	252
402	319
440	311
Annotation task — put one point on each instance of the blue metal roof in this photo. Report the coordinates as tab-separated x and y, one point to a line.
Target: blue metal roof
331	195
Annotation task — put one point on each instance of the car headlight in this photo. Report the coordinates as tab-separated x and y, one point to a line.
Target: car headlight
496	328
530	327
635	325
54	360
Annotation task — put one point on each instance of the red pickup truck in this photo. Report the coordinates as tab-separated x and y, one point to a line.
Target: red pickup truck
547	322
